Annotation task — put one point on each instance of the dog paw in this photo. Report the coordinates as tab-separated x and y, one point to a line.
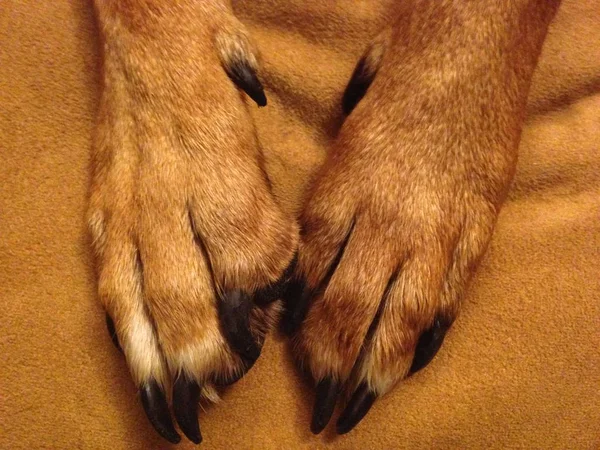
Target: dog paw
192	248
392	229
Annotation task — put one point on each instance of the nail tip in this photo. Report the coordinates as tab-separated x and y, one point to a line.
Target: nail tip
176	439
234	314
157	411
195	438
429	344
342	429
357	408
345	425
261	100
191	429
414	368
318	424
316	429
169	435
325	399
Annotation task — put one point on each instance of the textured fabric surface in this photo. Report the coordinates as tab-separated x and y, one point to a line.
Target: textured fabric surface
521	367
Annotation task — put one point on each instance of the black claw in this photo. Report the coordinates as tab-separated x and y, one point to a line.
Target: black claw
298	296
112	332
429	344
157	411
297	300
362	78
244	76
234	313
186	397
274	291
357	87
357	408
325	398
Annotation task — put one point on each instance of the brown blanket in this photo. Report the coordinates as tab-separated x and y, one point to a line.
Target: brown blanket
521	367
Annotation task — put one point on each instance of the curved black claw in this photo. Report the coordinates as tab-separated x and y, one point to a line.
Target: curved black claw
157	410
274	291
245	77
326	396
357	408
297	301
110	325
360	81
429	344
234	314
186	397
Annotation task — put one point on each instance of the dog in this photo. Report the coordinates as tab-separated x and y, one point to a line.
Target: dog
193	250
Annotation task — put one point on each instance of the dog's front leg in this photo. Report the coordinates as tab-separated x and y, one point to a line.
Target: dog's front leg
188	236
406	202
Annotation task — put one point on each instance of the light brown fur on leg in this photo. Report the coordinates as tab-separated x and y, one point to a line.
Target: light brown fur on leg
406	202
181	211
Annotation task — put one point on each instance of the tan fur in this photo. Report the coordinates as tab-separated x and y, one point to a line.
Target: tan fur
412	186
178	191
375	51
418	172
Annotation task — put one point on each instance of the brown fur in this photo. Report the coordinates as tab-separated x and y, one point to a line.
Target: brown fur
180	209
415	178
